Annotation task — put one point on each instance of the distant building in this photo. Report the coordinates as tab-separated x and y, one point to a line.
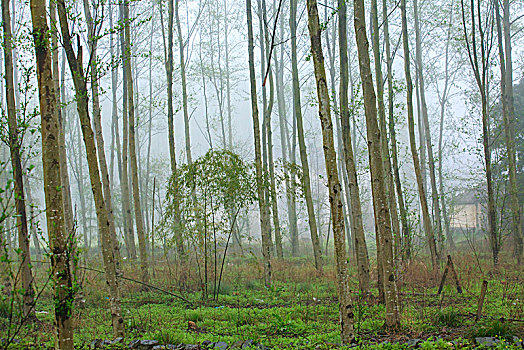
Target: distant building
467	211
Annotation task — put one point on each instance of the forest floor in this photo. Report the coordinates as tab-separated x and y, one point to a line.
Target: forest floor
300	310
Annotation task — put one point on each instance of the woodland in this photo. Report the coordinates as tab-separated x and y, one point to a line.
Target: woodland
256	174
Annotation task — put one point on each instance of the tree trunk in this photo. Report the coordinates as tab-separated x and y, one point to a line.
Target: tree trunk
264	212
140	232
64	173
59	241
297	111
181	48
16	165
425	122
126	201
79	81
170	124
428	228
361	250
508	112
335	196
405	246
378	187
97	122
481	71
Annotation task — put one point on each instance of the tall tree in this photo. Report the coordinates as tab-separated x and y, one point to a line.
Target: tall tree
126	191
335	196
59	241
480	66
425	123
263	207
181	49
297	113
139	220
378	178
508	113
16	164
405	236
361	250
97	122
428	227
82	102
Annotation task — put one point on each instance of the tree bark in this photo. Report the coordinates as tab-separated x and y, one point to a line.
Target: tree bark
378	186
264	212
361	250
335	196
79	81
59	241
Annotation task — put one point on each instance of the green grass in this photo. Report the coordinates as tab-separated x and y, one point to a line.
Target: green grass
302	310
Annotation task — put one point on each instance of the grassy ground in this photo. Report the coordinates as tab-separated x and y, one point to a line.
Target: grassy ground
300	309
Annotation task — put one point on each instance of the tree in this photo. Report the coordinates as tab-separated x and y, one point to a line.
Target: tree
59	240
82	103
16	164
428	227
139	221
508	112
361	250
425	122
378	185
262	204
405	236
330	157
297	113
480	67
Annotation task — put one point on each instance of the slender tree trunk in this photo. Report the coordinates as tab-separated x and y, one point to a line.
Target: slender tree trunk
81	195
481	71
34	232
508	112
59	241
264	212
140	232
335	196
425	122
16	164
428	228
378	178
126	201
405	236
390	188
97	122
170	124
79	80
124	190
181	48
282	111
228	79
443	102
297	111
361	250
